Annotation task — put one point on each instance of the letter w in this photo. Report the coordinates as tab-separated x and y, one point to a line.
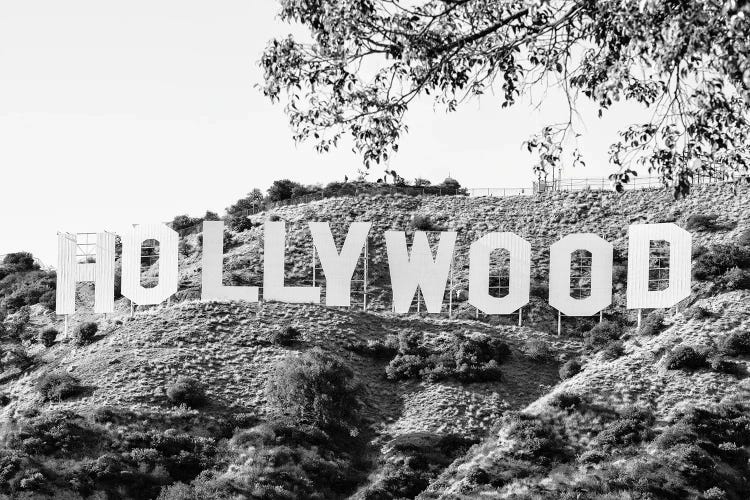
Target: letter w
419	269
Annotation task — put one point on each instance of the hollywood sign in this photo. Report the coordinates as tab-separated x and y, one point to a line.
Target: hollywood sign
411	269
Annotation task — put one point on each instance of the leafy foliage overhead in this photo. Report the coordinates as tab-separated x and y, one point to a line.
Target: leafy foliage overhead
367	60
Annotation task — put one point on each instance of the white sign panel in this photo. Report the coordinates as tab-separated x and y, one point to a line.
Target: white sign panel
601	275
519	273
339	267
419	269
213	268
132	241
70	272
411	270
639	253
274	243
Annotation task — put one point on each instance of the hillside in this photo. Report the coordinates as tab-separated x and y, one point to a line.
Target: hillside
431	387
599	396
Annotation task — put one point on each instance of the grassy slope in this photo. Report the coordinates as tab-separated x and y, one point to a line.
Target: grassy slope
225	345
638	378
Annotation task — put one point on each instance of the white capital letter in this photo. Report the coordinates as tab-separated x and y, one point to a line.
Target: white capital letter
70	272
339	268
418	269
131	264
274	237
639	252
213	265
601	275
479	273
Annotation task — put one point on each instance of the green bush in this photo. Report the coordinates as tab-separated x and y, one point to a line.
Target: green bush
81	459
601	334
565	400
721	365
631	427
413	461
474	358
15	356
286	337
534	439
48	299
85	332
701	222
187	391
240	223
653	324
20	262
736	344
686	357
285	189
422	223
405	366
736	279
698	312
56	386
182	222
47	337
377	349
613	350
719	259
569	369
281	462
537	350
20	287
744	238
252	201
539	289
317	389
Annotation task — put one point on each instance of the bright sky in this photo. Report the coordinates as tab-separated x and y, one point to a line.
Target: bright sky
113	113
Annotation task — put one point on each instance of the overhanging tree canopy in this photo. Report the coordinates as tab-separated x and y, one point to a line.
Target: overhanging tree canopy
367	60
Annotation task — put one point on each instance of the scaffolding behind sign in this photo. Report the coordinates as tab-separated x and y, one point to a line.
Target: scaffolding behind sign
359	279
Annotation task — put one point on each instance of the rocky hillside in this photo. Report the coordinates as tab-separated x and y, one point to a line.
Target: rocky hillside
585	407
430	387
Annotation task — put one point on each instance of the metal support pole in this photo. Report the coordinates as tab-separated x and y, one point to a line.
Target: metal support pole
601	315
313	265
364	283
640	317
65	332
559	323
418	301
520	316
450	295
132	309
477	310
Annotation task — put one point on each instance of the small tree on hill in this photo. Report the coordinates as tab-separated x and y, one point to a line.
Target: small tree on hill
85	333
285	189
20	261
187	391
56	386
317	389
47	337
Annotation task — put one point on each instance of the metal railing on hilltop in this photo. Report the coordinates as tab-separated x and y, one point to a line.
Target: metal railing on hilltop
572	184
